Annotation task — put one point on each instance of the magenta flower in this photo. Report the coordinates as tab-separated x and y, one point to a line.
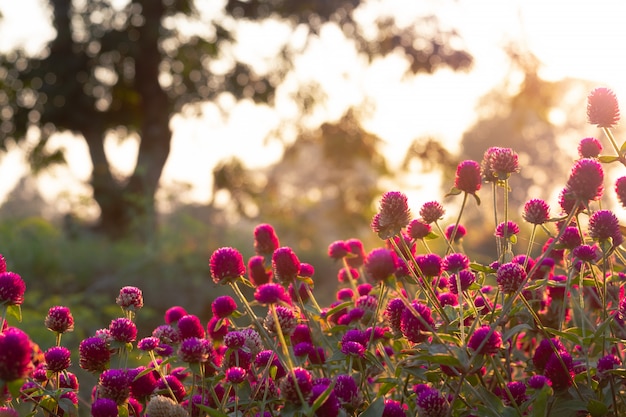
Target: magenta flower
586	180
338	250
235	375
536	211
347	391
347	274
507	230
620	190
166	334
460	233
287	320
544	351
301	378
190	326
589	148
455	262
57	358
431	403
115	385
356	256
12	288
130	298
485	166
257	272
104	407
173	314
510	277
413	327
3	264
602	108
467	278
393	408
537	382
503	162
15	354
265	240
285	265
270	293
429	264
226	265
431	211
94	354
418	229
468	178
393	215
59	320
380	264
148	344
570	238
561	377
485	341
604	225
194	350
223	306
330	407
123	330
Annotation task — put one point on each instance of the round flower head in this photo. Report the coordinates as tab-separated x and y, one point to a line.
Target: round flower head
190	326
253	341
347	391
503	162
429	264
393	408
459	234
104	407
393	314
130	298
602	108
431	403
356	256
194	350
215	332
518	392
536	211
510	277
485	341
286	318
265	240
561	377
586	180
570	238
12	288
15	354
176	385
257	272
59	320
413	327
589	148
620	190
393	215
162	406
603	225
485	166
300	377
537	382
143	386
114	384
223	306
234	339
507	230
544	351
57	358
330	407
306	270
347	274
226	265
608	362
285	265
466	277
173	314
338	250
379	264
166	334
431	211
235	375
586	253
418	229
123	330
568	201
94	354
468	177
455	262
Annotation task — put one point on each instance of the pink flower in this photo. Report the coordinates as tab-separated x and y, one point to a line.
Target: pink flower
620	190
226	265
393	215
223	306
431	211
418	229
602	108
338	250
59	319
12	288
15	354
257	272
57	358
413	327
379	264
589	148
468	178
586	180
94	354
285	265
130	298
510	277
485	341
536	211
503	162
265	240
604	225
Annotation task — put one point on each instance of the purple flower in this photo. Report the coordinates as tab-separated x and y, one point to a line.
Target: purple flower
123	330
347	274
393	408
603	225
586	180
194	350
586	253
301	378
59	320
357	253
270	293
104	407
226	265
431	211
143	386
166	334
510	277
466	277
15	354
3	264
412	326
130	298
234	339
589	148
536	211
418	229
347	391
608	362
114	384
235	375
223	306
602	108
252	341
338	250
177	387
507	230
544	351
379	264
285	265
561	376
455	262
173	314
57	358
393	314
518	392
431	403
537	381
330	407
393	215
503	162
257	272
620	190
568	201
190	326
485	341
468	177
215	332
459	234
570	238
265	240
12	288
485	166
286	319
94	354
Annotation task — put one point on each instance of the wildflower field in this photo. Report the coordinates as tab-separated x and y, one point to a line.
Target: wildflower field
413	332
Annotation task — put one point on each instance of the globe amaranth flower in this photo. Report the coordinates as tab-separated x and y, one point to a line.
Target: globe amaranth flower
347	391
559	369
568	201
12	288
570	238
586	180
285	265
393	408
414	328
173	314
604	225
141	387
537	382
235	375
287	320
589	148
486	170
114	384
176	385
59	320
253	341
518	393
257	272
431	403
226	265
57	358
602	108
485	341
620	190
536	211
223	306
123	330
234	339
330	407
607	363
393	314
265	240
130	298
190	326
347	274
503	162
418	229
338	250
3	264
379	264
429	264
431	211
510	276
194	350
356	257
166	334
466	277
94	354
104	407
468	178
544	351
393	215
162	406
217	328
458	230
455	262
15	354
298	380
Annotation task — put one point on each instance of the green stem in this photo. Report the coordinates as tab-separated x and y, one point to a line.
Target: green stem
456	224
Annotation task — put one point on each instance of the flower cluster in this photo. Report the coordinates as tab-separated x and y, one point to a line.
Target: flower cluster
413	331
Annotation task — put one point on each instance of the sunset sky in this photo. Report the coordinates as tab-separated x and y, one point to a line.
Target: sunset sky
580	39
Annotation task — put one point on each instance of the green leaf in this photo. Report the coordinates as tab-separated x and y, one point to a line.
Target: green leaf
516	329
607	159
431	236
14	387
453	191
15	310
540	402
322	398
211	411
122	410
375	409
481	268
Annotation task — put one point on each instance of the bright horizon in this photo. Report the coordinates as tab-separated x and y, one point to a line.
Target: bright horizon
579	41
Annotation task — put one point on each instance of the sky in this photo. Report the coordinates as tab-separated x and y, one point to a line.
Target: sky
577	38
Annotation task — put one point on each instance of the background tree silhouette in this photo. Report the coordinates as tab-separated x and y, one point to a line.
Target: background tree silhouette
127	71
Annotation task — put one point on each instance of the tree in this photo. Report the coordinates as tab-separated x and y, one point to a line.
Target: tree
127	71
